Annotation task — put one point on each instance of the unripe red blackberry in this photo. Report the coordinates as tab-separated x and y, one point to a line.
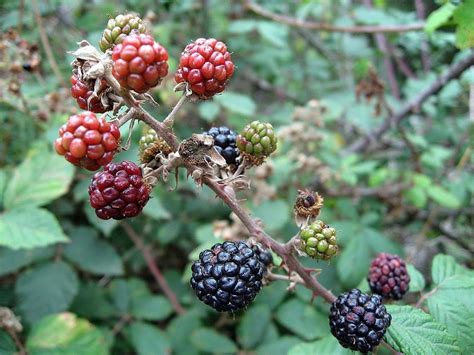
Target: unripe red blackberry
119	191
87	141
359	321
83	92
388	276
228	276
206	66
118	28
139	63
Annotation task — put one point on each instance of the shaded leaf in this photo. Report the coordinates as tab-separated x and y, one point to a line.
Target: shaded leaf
209	340
253	325
28	228
148	339
417	281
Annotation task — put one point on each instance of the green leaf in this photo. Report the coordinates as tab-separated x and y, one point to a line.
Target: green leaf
156	210
151	308
123	292
274	214
237	103
40	179
459	320
7	345
459	288
92	302
300	318
29	228
439	17
350	272
443	197
208	110
47	289
209	340
412	331
416	196
327	345
93	254
65	334
445	266
148	339
253	325
278	346
3	184
179	330
13	260
417	281
464	17
274	32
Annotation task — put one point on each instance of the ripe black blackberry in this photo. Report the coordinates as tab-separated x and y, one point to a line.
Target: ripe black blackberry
228	276
224	141
359	321
263	254
388	276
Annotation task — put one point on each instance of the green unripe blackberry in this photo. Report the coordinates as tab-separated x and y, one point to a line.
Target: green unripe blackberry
150	145
257	141
118	28
318	240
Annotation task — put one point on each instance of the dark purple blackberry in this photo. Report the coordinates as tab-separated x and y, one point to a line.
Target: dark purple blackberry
359	321
388	276
224	141
228	276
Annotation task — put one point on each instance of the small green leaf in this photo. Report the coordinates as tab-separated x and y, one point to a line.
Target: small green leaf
349	272
412	331
445	266
208	110
443	197
93	254
280	345
208	340
417	281
65	334
237	103
416	196
464	17
253	325
300	318
148	339
439	17
13	260
44	290
274	214
327	345
92	302
151	308
457	318
40	179
28	228
179	329
156	210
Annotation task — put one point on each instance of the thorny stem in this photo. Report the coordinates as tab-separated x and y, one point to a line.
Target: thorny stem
284	250
153	267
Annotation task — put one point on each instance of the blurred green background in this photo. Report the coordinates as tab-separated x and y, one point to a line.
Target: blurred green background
80	286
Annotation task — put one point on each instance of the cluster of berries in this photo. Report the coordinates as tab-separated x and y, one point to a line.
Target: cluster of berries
228	276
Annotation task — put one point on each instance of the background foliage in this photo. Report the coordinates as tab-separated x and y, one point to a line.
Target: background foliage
80	285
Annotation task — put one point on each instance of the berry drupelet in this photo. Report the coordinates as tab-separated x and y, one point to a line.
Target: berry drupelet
83	92
359	321
87	141
224	142
206	65
388	276
228	276
118	191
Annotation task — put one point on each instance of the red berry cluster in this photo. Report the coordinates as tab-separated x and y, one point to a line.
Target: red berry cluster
139	63
388	276
206	66
83	92
119	191
87	141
